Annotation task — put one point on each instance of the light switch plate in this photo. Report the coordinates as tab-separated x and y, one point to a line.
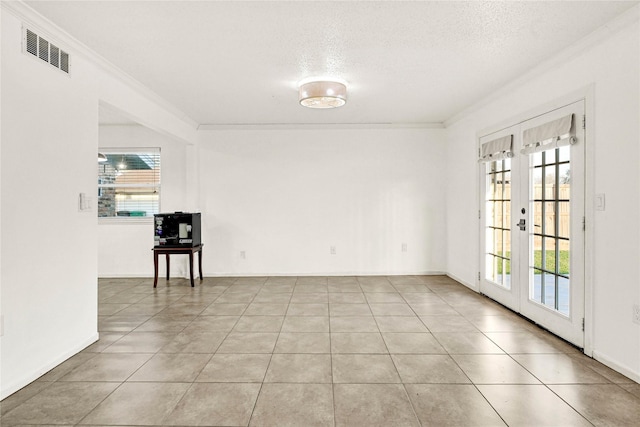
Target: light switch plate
600	202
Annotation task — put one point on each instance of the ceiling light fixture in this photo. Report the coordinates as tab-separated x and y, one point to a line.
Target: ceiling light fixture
322	93
101	158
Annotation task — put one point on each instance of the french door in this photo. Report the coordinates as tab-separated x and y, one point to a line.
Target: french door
532	219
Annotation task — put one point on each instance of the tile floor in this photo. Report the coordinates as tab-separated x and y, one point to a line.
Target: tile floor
316	351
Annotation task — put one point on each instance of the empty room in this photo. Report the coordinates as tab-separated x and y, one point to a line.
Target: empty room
319	213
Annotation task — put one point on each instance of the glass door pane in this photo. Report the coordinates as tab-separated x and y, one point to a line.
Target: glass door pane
498	219
551	173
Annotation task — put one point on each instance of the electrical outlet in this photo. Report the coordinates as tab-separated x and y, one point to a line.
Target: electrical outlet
243	255
404	247
332	250
636	314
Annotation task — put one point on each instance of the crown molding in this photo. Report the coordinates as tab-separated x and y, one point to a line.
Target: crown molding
612	27
320	126
48	29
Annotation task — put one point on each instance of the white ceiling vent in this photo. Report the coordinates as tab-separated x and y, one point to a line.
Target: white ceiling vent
33	44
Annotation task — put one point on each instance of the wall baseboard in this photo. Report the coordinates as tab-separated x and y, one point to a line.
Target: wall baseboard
473	287
624	370
9	389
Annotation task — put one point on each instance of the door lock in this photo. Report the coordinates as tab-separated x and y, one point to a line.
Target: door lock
523	225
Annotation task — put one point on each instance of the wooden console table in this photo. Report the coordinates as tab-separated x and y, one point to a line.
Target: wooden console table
160	250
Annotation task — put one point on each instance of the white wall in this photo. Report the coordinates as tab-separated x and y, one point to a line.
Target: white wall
285	196
124	245
612	66
49	146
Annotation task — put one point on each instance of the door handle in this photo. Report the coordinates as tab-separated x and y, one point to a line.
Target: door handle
523	225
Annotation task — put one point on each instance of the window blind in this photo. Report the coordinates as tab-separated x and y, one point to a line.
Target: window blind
129	182
550	135
496	149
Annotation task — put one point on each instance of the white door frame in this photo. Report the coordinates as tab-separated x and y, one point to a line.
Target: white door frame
587	94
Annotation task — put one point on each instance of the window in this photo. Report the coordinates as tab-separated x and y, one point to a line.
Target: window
129	182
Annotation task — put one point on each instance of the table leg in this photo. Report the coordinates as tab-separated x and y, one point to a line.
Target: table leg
155	269
200	262
191	267
167	255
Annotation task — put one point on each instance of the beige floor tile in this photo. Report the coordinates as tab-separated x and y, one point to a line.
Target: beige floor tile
60	403
66	367
235	368
278	288
373	405
400	324
348	287
603	405
309	298
306	324
501	323
364	368
377	287
353	324
106	339
407	288
22	395
166	323
391	309
225	309
338	309
143	309
559	368
493	369
601	369
194	342
342	281
272	297
259	324
308	342
531	405
109	309
299	368
138	404
311	288
207	404
428	369
184	308
633	388
141	342
171	368
268	309
120	323
522	342
212	324
347	298
308	309
404	280
422	298
312	280
108	367
433	309
445	405
466	343
455	323
357	343
384	297
231	297
412	343
248	342
294	405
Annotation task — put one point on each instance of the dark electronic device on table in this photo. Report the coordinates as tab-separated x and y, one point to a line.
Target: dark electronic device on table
177	230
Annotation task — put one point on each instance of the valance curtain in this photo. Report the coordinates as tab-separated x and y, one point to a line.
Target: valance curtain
547	136
496	149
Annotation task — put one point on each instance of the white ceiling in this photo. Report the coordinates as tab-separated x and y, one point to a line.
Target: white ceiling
238	62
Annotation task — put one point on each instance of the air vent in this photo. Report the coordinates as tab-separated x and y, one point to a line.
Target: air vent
42	48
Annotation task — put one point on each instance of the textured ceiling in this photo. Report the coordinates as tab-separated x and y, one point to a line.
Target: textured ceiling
405	62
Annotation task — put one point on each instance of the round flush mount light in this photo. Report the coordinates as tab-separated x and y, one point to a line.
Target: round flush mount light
102	158
322	93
